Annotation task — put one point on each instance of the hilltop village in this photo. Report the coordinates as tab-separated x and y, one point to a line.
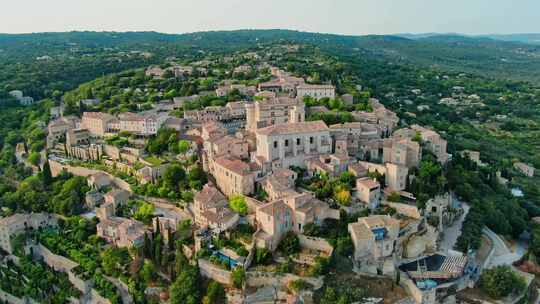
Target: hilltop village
247	187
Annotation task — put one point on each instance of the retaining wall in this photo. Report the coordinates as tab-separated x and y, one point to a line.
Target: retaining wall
214	272
315	243
57	168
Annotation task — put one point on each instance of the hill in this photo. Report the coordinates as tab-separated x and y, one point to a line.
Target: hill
77	57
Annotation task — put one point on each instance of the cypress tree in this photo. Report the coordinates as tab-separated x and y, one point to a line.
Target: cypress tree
46	173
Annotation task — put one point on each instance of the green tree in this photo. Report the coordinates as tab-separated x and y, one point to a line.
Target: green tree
46	173
238	203
501	281
148	272
289	244
238	276
34	158
183	146
112	260
185	289
173	176
215	294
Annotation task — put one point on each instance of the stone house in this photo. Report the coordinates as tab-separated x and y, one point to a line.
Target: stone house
374	238
368	191
211	210
18	223
233	176
524	168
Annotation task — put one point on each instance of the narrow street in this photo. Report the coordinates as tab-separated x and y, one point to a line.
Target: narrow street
452	233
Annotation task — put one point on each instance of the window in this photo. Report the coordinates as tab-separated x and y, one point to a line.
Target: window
298	141
286	142
275	144
311	140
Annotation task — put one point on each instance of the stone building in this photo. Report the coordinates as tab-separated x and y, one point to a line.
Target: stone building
97	123
317	91
211	210
117	197
234	176
292	213
368	191
121	232
432	140
374	240
402	151
274	111
18	223
395	175
291	144
332	165
524	168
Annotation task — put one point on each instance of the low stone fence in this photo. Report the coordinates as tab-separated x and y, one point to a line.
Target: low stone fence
315	243
214	272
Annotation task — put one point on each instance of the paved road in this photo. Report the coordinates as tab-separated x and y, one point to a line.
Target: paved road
504	255
452	233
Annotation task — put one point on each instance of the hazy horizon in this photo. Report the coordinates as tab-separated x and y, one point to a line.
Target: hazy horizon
346	17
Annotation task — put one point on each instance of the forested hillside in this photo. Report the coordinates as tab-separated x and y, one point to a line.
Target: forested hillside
41	64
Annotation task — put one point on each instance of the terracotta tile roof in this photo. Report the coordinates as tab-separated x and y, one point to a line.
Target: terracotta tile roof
367	182
209	195
280	101
294	128
347	125
235	165
273	207
97	115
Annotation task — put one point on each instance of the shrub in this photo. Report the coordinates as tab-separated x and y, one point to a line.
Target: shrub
501	281
289	244
238	277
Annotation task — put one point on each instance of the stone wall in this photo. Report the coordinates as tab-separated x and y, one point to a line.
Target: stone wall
419	296
61	264
57	168
261	279
214	272
11	299
315	243
97	298
252	252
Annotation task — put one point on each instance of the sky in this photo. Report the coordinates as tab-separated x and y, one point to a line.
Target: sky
353	17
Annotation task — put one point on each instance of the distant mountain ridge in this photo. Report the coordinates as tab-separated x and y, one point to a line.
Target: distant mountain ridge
496	56
530	38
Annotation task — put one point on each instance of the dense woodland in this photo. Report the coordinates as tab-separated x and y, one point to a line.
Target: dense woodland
103	65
